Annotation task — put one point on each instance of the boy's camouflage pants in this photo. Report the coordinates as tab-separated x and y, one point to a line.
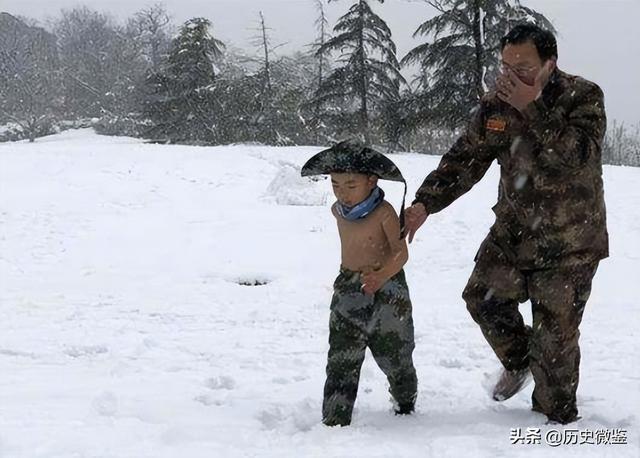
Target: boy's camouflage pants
550	347
381	322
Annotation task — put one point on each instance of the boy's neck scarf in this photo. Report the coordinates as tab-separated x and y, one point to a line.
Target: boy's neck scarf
363	208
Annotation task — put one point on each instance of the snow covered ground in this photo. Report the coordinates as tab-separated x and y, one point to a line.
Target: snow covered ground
129	329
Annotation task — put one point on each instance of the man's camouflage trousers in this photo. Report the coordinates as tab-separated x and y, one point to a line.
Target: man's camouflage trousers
381	322
550	346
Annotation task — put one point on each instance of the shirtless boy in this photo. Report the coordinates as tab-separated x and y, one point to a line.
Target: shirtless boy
370	305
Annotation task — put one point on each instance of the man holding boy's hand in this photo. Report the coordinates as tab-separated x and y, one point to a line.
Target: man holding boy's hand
545	128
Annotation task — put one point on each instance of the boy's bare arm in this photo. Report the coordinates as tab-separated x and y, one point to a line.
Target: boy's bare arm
398	254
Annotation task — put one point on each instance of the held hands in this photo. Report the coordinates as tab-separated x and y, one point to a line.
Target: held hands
414	217
518	94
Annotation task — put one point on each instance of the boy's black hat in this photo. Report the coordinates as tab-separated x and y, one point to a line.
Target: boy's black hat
352	156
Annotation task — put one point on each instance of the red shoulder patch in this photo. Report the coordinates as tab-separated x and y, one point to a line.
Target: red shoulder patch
496	124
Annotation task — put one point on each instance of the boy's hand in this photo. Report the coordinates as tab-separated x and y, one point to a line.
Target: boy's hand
414	217
372	281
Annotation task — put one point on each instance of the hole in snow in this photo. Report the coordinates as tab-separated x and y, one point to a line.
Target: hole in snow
252	281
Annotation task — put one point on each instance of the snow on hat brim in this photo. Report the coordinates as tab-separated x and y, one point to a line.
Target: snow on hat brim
352	157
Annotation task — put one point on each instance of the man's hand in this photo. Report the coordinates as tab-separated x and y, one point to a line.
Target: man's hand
414	217
372	281
518	94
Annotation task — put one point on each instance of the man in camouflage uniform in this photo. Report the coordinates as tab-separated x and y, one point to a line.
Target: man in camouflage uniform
545	128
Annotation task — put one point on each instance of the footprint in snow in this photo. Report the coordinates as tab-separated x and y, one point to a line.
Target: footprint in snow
222	382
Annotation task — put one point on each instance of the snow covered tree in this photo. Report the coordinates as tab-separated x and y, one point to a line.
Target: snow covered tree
266	63
180	100
30	93
322	36
323	65
139	48
273	92
622	145
150	28
93	59
293	78
464	49
368	78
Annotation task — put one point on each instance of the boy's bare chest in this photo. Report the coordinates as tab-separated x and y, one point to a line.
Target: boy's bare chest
364	234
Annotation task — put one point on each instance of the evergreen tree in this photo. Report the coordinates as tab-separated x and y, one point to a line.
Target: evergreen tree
239	95
140	50
463	51
275	91
180	100
369	78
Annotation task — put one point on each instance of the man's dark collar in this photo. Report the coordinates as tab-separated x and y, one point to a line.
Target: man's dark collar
550	90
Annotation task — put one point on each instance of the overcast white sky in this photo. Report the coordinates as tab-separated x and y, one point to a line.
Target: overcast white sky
598	39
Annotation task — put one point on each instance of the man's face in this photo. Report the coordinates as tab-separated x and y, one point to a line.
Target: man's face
352	188
523	60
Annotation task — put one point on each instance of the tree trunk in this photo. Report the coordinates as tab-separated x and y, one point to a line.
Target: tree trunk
267	70
31	131
317	107
364	112
479	48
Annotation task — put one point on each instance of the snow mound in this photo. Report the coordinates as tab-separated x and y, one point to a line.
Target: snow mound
289	188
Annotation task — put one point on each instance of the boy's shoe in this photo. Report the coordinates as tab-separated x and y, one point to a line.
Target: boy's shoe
510	383
331	424
404	409
335	412
339	418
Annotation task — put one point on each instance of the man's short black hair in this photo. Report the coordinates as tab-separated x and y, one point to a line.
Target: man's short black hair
543	40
